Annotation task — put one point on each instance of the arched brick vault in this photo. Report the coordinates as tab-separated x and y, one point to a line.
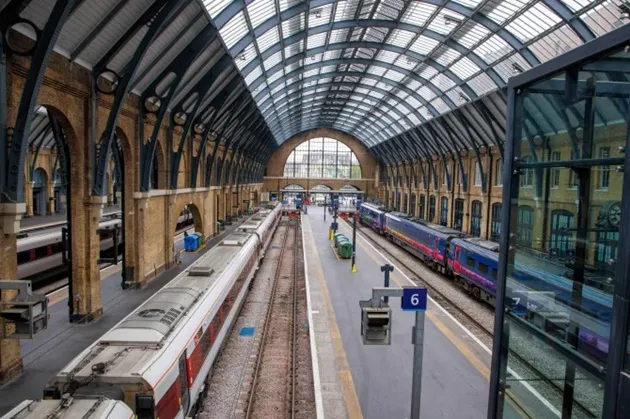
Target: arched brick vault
275	166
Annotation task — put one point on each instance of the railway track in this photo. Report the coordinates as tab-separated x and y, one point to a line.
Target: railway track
273	389
464	317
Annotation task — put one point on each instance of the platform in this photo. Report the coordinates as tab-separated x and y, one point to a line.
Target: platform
49	352
375	381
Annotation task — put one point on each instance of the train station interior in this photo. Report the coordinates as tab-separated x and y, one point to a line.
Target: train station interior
477	146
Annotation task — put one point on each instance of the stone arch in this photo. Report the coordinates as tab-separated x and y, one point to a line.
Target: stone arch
367	163
194	211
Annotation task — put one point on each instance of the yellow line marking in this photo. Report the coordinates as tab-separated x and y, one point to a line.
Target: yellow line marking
463	348
353	407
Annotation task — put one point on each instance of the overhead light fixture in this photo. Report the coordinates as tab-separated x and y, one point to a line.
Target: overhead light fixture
624	8
242	57
451	20
463	97
517	68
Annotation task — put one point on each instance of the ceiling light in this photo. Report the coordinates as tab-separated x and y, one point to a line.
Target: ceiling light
517	68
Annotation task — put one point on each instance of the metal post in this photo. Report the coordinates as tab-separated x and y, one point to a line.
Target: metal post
325	196
116	245
386	269
416	384
354	244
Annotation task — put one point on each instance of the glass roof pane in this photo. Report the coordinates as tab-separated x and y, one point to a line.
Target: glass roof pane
400	38
346	10
423	45
426	71
394	75
511	66
376	70
253	75
260	10
603	18
387	56
471	34
374	34
493	49
246	57
234	30
315	41
214	7
558	42
294	48
446	22
426	93
442	82
287	4
406	62
440	105
418	13
293	25
272	60
267	39
320	16
445	55
469	3
533	22
500	11
388	10
464	68
482	84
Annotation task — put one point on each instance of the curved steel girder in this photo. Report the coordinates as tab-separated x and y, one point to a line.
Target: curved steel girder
345	113
391	24
296	97
338	61
202	88
122	89
375	45
321	103
316	77
178	66
331	111
13	189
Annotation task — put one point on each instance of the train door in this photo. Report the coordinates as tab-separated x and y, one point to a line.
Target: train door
183	384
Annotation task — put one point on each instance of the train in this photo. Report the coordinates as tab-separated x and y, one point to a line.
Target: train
540	290
40	255
156	360
72	408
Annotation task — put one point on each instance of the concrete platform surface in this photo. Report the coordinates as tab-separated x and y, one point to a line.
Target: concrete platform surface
455	373
45	355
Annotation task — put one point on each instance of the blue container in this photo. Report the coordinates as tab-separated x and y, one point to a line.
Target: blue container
190	243
199	238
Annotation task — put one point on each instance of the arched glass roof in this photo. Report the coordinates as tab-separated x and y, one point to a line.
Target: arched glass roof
376	68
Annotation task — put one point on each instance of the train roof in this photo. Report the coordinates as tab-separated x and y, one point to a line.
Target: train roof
374	207
440	229
94	408
130	348
480	246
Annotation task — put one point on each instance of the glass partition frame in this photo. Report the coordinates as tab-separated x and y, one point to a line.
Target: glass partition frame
609	373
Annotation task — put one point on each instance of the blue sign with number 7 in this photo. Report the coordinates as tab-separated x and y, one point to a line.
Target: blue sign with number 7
414	299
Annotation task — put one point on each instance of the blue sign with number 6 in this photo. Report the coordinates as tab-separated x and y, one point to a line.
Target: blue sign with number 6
414	299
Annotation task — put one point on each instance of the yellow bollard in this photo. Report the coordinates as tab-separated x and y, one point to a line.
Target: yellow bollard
330	235
354	268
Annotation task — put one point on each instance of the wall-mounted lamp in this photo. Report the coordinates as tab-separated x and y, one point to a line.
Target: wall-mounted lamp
538	141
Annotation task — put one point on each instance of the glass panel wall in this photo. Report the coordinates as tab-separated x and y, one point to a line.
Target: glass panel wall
322	158
569	138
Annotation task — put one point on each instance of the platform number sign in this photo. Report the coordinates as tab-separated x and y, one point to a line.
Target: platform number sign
414	299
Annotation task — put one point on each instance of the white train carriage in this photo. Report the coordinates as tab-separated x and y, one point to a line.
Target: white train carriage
71	408
263	224
159	356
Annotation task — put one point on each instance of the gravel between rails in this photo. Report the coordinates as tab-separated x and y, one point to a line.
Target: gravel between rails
235	366
478	317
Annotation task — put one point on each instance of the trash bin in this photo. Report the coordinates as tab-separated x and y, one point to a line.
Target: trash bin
341	241
189	243
199	238
336	237
345	249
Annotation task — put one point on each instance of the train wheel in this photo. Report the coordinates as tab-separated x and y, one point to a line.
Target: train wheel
476	292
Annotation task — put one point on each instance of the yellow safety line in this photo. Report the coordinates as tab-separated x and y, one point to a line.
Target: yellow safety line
353	407
463	348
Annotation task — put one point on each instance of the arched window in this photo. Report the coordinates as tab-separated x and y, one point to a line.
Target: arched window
431	208
405	202
475	218
444	211
320	198
561	241
495	227
322	158
421	207
525	226
412	207
458	221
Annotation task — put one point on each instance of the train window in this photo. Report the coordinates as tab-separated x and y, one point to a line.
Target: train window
470	262
494	275
41	252
57	248
183	382
24	257
483	268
